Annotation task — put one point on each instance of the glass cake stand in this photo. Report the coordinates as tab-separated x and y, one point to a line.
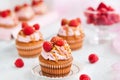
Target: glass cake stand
102	23
75	70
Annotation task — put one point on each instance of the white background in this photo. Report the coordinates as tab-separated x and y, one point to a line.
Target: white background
102	70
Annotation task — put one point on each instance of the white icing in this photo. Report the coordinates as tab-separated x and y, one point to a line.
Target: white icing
9	20
26	12
28	38
50	55
41	8
71	31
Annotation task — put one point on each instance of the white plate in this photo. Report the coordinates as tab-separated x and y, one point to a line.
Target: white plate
75	70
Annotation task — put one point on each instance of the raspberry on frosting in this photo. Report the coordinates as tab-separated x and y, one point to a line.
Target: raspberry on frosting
74	23
36	26
5	13
71	23
55	41
28	30
18	7
47	46
60	42
24	24
25	5
64	22
36	2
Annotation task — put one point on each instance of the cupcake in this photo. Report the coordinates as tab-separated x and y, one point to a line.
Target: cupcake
29	40
71	32
8	19
39	6
24	12
55	58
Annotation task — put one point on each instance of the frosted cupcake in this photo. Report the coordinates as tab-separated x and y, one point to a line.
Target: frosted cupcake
39	6
29	41
24	12
8	19
55	59
71	31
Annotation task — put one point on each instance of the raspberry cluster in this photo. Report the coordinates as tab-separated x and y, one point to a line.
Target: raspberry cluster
103	15
18	7
28	30
5	13
71	23
36	2
48	45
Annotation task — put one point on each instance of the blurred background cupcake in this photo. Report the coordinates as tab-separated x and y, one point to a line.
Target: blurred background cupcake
72	32
29	40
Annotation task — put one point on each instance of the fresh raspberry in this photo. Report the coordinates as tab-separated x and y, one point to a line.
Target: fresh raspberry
91	9
55	39
64	22
47	46
34	2
110	8
60	42
102	5
73	23
78	19
36	26
103	10
8	11
19	63
4	13
24	24
93	58
28	30
25	5
17	8
84	77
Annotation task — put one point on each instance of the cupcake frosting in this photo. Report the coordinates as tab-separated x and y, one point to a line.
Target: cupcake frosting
70	27
26	12
29	33
9	19
40	8
57	52
69	31
36	36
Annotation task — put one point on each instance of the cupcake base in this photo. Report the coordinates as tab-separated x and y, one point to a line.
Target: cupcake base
31	49
75	42
60	68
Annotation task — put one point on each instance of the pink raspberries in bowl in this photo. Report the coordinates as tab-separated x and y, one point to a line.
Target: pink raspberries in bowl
103	15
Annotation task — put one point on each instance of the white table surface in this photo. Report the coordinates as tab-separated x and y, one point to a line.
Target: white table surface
101	70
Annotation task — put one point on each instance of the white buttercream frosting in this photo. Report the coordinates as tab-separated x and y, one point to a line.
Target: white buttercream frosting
26	12
36	36
70	31
9	20
40	8
57	53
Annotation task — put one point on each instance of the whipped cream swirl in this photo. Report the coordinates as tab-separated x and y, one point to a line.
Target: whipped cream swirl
57	53
69	31
36	36
26	12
